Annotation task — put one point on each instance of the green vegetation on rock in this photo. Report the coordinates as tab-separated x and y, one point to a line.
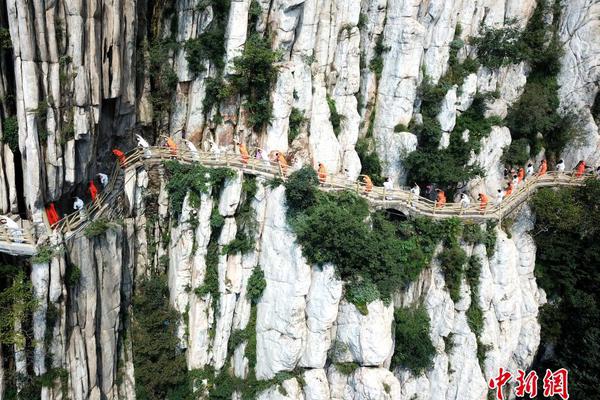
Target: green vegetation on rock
414	349
255	75
567	236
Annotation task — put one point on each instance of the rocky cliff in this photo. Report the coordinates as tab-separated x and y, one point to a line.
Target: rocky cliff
78	79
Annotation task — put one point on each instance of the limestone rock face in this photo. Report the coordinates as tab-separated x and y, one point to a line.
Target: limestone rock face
80	78
280	325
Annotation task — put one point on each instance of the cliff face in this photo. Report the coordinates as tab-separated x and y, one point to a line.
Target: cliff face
302	319
80	78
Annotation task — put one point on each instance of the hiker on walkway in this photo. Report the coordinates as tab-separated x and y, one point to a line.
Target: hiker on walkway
244	154
521	174
283	165
103	179
529	170
322	173
560	166
465	202
143	144
193	150
515	180
262	155
543	168
580	169
51	214
388	186
441	198
93	190
13	228
509	189
214	148
368	184
121	156
172	145
78	206
415	192
499	197
483	201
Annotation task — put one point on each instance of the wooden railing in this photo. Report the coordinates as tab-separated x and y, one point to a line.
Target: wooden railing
400	199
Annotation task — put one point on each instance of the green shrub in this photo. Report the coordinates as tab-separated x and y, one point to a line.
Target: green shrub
370	162
567	259
452	261
335	118
472	233
97	227
255	74
16	303
499	46
159	365
474	313
73	275
256	284
242	243
162	76
5	41
413	349
361	294
346	368
333	230
400	128
517	153
210	45
376	64
193	179
216	91
296	121
491	237
10	132
275	182
301	189
44	254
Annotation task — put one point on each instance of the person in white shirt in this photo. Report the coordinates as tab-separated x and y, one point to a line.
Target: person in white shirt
13	228
78	204
499	196
388	185
515	181
529	171
214	148
144	144
560	166
415	192
103	179
465	202
193	149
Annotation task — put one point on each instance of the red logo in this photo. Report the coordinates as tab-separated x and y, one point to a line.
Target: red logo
555	383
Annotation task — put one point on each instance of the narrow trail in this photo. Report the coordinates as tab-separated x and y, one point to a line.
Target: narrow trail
108	203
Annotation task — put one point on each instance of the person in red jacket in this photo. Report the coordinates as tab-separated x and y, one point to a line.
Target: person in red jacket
580	169
244	153
52	215
368	184
441	198
483	201
93	190
121	156
322	173
509	189
543	168
521	174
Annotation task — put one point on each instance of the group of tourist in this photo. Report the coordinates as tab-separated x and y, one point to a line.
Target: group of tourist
514	177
